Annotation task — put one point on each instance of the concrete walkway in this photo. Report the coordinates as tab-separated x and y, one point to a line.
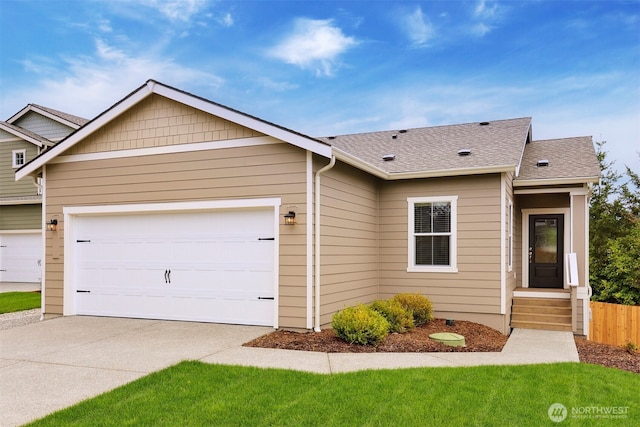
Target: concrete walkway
53	364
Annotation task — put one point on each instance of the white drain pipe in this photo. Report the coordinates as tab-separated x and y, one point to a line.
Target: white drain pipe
317	236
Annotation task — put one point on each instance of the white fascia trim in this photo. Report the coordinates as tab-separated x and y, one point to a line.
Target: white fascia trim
555	181
172	206
309	242
54	117
503	240
21	135
87	130
168	149
306	143
390	176
569	190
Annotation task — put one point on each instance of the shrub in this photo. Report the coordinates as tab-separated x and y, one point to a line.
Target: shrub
400	320
360	325
419	306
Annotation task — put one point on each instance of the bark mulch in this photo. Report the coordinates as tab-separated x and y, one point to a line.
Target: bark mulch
478	338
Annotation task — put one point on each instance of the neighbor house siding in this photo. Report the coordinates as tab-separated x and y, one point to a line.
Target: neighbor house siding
274	170
8	185
21	217
349	236
474	291
43	126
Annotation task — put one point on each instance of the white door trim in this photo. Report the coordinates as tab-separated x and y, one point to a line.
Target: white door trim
525	238
72	212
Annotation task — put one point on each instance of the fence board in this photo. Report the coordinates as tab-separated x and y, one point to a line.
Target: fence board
614	324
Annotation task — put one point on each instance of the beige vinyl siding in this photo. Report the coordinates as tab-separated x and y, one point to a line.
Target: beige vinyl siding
349	236
6	135
475	288
276	170
157	121
8	185
43	126
21	217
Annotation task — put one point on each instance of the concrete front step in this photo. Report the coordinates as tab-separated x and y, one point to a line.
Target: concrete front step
536	309
542	302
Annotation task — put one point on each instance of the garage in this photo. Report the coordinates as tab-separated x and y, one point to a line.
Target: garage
208	266
21	257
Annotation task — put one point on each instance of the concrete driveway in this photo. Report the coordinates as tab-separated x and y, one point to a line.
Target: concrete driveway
50	365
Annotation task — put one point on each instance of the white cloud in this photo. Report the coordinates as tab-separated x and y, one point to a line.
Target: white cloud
484	10
313	44
176	10
418	29
87	85
485	13
227	20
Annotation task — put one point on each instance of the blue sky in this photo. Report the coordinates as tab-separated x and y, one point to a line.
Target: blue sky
335	67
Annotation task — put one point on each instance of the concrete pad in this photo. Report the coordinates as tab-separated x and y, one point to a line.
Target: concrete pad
19	287
307	361
538	346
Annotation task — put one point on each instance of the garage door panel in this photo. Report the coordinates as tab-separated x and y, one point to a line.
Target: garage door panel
21	257
205	266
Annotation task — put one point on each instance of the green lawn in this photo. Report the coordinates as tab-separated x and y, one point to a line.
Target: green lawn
18	301
197	394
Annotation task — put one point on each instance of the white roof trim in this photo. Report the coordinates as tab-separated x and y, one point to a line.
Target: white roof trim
555	181
390	176
44	113
21	135
151	87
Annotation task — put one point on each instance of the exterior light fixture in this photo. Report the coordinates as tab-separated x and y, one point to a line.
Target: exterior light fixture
290	218
52	225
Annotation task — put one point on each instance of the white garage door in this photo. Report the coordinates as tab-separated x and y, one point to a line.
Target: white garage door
205	266
21	257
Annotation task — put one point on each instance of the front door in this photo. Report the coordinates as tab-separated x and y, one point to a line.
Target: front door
546	238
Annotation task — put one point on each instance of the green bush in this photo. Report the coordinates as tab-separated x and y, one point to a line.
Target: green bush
400	320
419	306
360	325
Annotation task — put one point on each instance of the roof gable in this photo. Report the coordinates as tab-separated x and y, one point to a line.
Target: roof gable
63	118
434	151
566	160
25	135
198	103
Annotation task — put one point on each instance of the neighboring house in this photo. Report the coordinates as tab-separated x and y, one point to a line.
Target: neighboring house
28	133
171	206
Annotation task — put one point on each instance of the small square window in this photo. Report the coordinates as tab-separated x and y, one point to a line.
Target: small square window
19	158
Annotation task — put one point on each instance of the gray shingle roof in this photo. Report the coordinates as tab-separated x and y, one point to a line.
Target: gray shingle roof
66	116
568	158
497	144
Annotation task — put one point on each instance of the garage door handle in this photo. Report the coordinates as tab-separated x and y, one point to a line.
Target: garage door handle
265	297
83	292
166	276
266	238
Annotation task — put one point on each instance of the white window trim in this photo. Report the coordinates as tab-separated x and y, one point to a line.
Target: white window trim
13	158
510	236
453	243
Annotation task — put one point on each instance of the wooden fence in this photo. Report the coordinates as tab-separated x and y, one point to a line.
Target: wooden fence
614	324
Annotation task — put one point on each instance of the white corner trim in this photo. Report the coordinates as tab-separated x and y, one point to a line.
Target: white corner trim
503	241
309	242
168	149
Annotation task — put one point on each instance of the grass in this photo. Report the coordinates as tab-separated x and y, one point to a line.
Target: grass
18	301
197	394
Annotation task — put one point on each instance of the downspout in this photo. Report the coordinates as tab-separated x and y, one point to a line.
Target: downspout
317	242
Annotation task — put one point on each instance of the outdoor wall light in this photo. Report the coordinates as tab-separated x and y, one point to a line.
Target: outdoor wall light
52	225
290	218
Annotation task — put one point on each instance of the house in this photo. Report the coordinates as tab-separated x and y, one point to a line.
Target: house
170	206
24	136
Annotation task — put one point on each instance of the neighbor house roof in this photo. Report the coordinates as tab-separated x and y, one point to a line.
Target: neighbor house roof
495	146
202	104
558	161
68	119
25	134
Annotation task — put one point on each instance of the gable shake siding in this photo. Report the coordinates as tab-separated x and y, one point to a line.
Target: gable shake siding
349	236
474	291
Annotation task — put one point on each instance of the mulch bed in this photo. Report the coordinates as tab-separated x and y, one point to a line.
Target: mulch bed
478	338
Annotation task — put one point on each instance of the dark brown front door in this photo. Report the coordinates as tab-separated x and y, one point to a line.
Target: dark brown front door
546	238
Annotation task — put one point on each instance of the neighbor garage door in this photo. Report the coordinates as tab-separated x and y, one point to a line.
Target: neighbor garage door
20	257
205	266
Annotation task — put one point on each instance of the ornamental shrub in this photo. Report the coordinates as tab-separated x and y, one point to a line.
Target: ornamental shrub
400	320
418	305
360	325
